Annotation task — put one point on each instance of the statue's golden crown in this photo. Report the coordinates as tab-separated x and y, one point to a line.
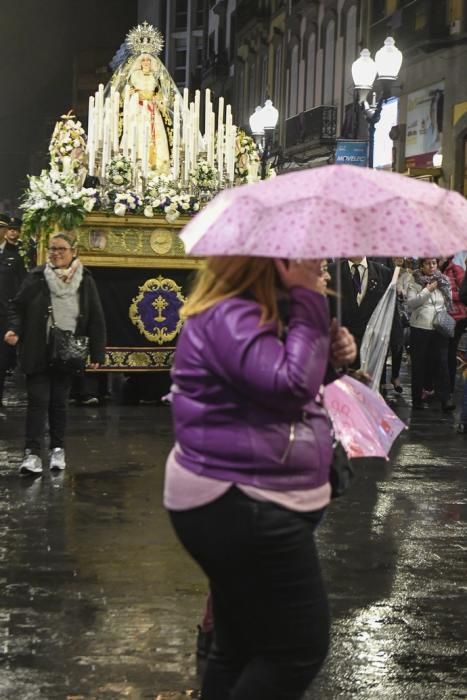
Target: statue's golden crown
145	39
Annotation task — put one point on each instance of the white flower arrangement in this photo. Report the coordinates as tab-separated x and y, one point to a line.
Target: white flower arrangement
204	176
68	143
247	158
126	201
162	196
55	197
119	172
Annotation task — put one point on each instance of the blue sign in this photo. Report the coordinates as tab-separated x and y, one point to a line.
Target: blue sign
352	152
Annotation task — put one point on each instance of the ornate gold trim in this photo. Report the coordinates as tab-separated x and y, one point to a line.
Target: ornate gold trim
95	260
160	334
138	359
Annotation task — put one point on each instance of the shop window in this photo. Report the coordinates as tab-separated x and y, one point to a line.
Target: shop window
180	61
181	14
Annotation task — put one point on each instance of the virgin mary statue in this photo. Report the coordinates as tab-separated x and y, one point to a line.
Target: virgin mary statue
146	75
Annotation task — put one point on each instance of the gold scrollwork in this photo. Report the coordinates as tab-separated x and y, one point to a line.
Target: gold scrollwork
161	334
139	359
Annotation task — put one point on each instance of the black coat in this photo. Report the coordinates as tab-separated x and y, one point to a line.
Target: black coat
463	290
12	273
356	317
29	312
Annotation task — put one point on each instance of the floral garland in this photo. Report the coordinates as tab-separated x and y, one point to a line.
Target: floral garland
68	144
247	158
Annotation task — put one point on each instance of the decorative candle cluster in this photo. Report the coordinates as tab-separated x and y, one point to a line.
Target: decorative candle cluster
189	142
213	140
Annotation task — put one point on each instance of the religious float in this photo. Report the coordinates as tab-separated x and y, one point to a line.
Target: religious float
150	158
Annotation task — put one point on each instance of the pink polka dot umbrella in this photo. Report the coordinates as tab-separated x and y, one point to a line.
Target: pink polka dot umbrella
334	211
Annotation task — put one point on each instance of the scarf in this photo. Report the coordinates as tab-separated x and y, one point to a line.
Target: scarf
444	285
63	285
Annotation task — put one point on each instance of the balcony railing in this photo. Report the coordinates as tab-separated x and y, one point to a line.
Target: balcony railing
317	126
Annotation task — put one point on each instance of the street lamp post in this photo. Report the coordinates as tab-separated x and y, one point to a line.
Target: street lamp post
263	123
365	71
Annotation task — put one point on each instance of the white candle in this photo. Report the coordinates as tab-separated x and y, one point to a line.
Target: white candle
233	148
145	147
106	144
220	138
126	114
186	168
228	140
134	141
185	99
90	122
116	122
192	135
207	108
176	139
197	121
100	114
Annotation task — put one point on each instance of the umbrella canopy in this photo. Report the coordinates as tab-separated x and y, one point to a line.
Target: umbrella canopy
362	420
335	211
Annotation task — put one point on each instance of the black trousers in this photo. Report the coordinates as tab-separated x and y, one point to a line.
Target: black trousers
47	394
396	360
429	354
461	325
271	617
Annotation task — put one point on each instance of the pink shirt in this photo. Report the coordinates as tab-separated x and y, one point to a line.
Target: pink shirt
184	490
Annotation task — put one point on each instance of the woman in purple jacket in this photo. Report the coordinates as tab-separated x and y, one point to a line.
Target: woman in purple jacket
248	479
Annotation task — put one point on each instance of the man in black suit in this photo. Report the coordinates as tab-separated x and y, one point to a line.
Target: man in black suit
12	273
363	283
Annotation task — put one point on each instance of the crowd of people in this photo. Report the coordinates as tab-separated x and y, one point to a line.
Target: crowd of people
250	469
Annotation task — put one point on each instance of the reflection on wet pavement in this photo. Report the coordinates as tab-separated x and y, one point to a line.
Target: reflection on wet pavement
97	600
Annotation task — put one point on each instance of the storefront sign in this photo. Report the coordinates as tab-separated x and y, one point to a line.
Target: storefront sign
352	152
424	125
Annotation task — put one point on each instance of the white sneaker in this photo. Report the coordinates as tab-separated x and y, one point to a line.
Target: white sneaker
31	464
57	458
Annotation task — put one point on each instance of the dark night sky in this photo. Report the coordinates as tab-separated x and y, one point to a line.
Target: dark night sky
39	40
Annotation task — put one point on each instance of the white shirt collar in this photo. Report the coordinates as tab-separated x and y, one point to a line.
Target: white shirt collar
363	263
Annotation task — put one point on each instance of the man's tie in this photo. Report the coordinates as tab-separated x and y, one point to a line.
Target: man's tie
357	280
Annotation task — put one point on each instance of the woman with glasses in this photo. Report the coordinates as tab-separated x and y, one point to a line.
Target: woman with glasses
64	290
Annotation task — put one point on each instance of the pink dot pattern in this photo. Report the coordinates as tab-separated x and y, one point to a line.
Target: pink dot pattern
333	211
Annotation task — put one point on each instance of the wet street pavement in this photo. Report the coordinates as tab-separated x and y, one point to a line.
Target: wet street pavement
99	602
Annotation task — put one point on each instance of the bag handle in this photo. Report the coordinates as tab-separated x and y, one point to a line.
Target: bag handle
51	314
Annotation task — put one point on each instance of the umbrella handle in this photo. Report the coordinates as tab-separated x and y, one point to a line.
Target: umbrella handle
339	291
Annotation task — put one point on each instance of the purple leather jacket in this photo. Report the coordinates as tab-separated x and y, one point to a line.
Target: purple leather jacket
244	400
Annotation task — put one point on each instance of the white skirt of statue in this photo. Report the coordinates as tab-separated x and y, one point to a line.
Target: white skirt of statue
143	81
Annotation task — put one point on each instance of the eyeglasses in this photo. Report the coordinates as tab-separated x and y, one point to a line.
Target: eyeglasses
58	250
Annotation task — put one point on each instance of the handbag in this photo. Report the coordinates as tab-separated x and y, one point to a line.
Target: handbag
67	352
342	471
444	323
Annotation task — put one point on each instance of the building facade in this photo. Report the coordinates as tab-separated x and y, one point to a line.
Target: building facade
183	23
296	52
432	34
